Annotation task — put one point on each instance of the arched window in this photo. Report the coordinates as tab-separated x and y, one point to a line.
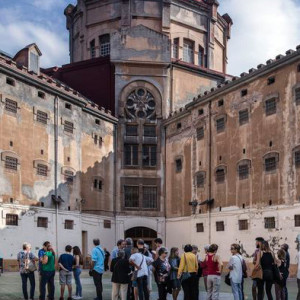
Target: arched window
220	174
271	161
243	168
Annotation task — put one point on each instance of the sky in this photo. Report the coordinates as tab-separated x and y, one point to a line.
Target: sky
261	30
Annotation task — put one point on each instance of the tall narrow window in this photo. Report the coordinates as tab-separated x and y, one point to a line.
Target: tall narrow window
178	164
200	133
175	48
243	171
42	222
188	51
41	117
68	127
270	107
131	155
220	124
149	197
297	158
297	96
243	116
131	196
270	164
104	41
200	179
149	131
42	170
149	155
201	57
220	175
270	223
92	49
297	220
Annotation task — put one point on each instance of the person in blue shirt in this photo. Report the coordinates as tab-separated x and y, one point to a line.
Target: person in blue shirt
41	254
121	244
97	267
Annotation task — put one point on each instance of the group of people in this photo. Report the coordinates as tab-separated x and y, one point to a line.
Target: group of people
132	268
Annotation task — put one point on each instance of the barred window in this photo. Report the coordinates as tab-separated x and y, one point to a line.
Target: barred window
175	48
201	57
92	49
69	224
220	226
12	219
188	51
270	164
42	222
243	116
200	178
297	158
107	224
68	127
131	130
41	117
297	96
297	220
98	184
178	163
220	124
131	157
243	224
69	176
220	175
199	227
243	171
149	131
270	222
149	197
131	196
42	170
11	106
149	155
104	41
200	133
11	163
271	106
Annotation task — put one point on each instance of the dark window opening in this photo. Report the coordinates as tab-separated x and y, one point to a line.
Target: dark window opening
178	125
98	184
12	219
244	92
199	227
149	155
243	224
42	117
297	220
270	144
271	80
68	127
244	151
42	151
220	226
220	175
297	158
97	121
68	106
11	143
175	48
149	131
42	222
41	95
220	124
270	222
178	163
69	224
11	163
149	197
271	107
10	81
131	155
270	202
201	57
42	170
107	224
104	41
270	164
92	49
11	106
131	196
131	130
243	171
200	179
200	133
200	112
221	102
297	96
243	116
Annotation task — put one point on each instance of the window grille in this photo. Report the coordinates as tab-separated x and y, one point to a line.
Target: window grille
69	224
188	51
149	131
200	178
149	197
12	219
271	107
149	155
104	41
11	163
131	196
270	222
200	133
69	176
220	226
98	184
270	164
243	171
243	116
220	124
297	220
131	155
42	222
297	96
11	106
220	175
42	117
243	224
42	170
68	127
297	159
200	227
131	130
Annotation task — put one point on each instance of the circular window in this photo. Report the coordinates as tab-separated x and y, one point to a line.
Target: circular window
141	114
151	104
129	102
141	92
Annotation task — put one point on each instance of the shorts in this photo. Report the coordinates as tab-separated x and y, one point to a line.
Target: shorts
134	283
65	277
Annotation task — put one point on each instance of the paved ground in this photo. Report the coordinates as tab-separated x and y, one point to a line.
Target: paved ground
10	288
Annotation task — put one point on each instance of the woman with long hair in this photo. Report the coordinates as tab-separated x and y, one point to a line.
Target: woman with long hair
174	261
78	262
48	273
280	285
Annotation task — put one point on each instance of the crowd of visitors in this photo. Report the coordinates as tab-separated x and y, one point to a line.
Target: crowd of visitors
132	268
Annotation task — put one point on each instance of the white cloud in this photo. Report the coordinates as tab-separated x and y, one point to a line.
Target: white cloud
54	46
262	29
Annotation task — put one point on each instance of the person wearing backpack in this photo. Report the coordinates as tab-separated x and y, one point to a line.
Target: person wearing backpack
26	260
97	267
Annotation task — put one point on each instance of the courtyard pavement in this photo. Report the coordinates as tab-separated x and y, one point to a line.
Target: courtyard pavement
10	288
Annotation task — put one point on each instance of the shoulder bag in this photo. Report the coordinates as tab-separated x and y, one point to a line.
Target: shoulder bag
91	270
30	265
276	273
185	275
135	272
257	272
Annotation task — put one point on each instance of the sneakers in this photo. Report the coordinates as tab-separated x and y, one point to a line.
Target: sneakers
76	297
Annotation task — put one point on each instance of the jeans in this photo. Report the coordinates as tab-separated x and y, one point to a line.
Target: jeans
77	273
47	278
98	284
236	290
142	287
189	287
162	291
260	285
119	291
24	277
213	287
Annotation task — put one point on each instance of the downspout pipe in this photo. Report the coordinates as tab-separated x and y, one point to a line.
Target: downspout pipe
115	179
209	170
56	167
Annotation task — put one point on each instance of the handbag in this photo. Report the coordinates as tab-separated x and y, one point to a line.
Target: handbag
257	272
185	275
227	279
135	272
276	273
30	265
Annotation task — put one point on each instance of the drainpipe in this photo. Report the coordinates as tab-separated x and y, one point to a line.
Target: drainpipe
115	179
209	172
164	181
55	167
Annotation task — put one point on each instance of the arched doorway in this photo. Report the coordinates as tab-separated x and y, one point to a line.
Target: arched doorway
145	233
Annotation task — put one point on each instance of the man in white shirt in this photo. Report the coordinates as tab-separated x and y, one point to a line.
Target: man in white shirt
298	274
235	266
140	263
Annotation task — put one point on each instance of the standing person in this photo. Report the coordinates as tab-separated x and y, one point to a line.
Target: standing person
204	270
285	247
41	254
158	244
65	263
143	249
48	273
120	278
280	285
128	247
162	271
128	252
199	272
26	260
298	273
140	263
174	261
188	264
266	260
255	255
235	266
134	294
78	262
244	270
121	244
214	266
106	260
97	267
